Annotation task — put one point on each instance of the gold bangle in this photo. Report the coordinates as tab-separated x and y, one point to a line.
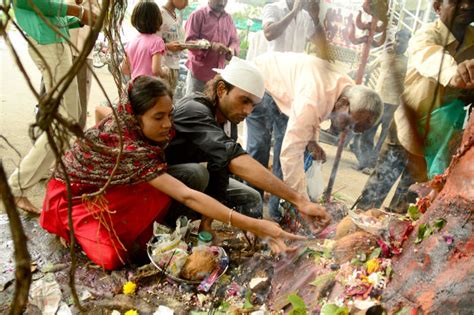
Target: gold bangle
229	222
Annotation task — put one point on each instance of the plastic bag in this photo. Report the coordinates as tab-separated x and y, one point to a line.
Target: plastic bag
314	178
170	250
172	260
443	137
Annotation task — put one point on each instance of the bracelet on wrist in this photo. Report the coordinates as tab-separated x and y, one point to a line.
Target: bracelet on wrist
229	222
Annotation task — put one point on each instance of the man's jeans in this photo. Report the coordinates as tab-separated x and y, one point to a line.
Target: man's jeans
390	165
240	197
266	119
244	199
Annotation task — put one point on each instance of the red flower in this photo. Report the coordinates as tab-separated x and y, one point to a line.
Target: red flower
437	183
385	249
423	204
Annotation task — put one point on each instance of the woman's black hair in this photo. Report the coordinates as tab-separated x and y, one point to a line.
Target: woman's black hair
146	17
145	92
211	88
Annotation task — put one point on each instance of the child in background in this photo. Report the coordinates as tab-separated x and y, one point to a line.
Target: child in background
144	52
172	33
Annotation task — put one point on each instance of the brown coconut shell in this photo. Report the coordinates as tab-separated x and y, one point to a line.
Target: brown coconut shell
345	227
349	246
198	265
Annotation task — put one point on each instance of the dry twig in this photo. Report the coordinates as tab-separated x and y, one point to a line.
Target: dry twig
22	257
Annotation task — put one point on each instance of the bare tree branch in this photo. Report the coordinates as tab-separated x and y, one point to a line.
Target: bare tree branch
22	257
57	127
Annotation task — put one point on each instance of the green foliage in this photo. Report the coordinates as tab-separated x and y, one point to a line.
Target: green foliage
359	259
375	253
255	3
333	309
224	306
323	279
298	304
250	12
413	212
440	223
327	253
247	303
404	311
244	44
425	230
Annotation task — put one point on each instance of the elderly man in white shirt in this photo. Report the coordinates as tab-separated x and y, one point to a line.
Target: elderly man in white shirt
301	92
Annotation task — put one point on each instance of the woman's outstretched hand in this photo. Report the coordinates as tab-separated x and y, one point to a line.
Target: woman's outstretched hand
315	215
275	236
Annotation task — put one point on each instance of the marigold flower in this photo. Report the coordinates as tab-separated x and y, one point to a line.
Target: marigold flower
131	312
373	265
129	288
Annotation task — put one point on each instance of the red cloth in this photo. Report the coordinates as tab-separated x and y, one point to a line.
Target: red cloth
132	211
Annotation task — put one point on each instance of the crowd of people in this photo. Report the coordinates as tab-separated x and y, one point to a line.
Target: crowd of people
183	156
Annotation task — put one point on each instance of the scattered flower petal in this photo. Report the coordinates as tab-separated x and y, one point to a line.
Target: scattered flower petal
129	288
449	239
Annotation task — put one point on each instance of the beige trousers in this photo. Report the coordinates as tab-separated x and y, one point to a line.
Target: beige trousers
37	162
84	80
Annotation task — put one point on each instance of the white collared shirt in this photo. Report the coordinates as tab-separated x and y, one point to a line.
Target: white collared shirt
298	32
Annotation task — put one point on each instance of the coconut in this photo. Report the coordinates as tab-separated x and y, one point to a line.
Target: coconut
349	246
198	265
345	227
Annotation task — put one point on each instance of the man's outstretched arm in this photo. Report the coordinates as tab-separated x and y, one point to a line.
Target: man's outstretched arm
253	172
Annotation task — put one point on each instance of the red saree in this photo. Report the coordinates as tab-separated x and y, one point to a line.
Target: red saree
111	226
125	227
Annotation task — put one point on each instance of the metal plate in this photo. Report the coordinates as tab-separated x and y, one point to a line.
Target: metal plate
149	252
196	45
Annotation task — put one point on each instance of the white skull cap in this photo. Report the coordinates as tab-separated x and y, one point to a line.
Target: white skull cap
244	75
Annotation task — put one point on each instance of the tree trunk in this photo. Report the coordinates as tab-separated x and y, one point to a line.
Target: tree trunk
437	277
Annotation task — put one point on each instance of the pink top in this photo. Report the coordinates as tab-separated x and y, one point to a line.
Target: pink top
206	24
305	88
140	52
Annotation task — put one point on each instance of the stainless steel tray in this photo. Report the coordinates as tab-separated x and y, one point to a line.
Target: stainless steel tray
149	252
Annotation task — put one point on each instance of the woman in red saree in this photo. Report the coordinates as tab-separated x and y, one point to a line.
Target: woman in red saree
113	225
